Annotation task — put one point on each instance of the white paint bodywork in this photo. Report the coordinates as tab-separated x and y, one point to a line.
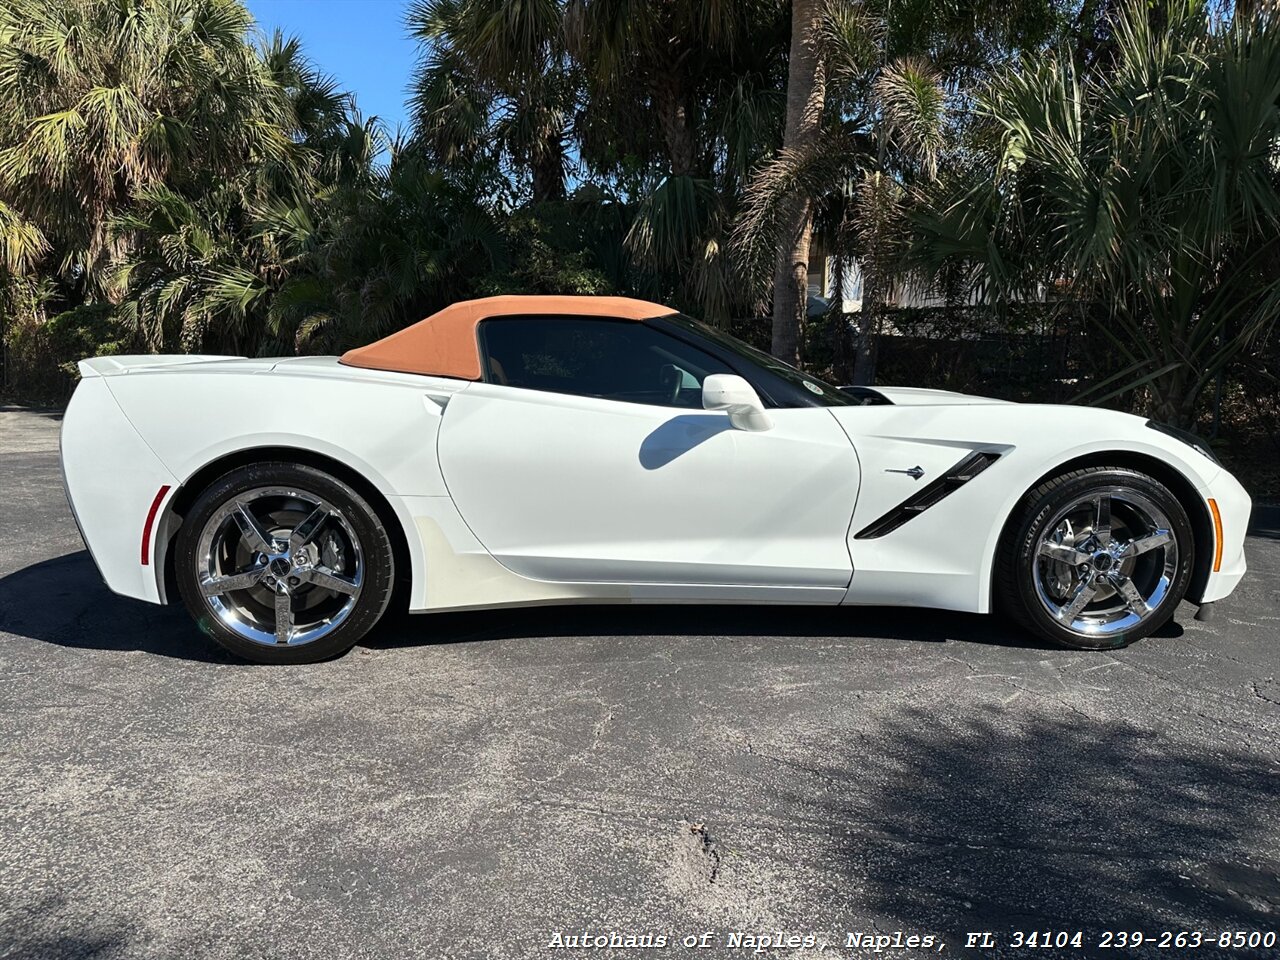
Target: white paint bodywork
568	488
512	497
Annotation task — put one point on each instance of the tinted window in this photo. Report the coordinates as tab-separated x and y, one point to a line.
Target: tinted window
609	359
805	388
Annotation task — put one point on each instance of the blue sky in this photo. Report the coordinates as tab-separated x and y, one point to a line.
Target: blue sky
361	43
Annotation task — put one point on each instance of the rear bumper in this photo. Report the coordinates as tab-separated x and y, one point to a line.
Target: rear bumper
113	482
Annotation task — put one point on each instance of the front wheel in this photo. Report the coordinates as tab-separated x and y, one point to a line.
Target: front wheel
1096	558
283	563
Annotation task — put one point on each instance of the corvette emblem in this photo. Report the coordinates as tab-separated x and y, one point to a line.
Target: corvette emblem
915	473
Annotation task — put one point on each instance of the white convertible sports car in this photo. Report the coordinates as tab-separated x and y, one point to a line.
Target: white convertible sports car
530	450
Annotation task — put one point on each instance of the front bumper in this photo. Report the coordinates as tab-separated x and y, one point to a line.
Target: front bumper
1234	508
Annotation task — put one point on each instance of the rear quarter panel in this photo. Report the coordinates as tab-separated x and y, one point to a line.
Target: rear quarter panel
112	478
170	424
384	427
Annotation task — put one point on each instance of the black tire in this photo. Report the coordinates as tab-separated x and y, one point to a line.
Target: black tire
356	556
1030	578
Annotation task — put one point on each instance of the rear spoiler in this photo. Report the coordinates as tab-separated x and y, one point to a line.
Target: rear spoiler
113	366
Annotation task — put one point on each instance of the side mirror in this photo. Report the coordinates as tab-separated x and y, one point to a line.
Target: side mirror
732	394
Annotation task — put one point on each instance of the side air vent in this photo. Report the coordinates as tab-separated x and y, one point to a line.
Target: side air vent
927	496
866	396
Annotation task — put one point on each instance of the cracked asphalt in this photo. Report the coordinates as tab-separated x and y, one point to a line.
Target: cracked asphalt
475	785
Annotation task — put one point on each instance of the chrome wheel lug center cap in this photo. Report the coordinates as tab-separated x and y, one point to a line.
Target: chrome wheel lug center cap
279	567
1102	562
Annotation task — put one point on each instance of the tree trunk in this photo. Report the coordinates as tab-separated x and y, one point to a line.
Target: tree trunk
840	352
548	171
545	155
673	115
877	270
1174	399
864	364
806	94
791	283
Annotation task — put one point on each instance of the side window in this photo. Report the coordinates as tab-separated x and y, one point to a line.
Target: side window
610	359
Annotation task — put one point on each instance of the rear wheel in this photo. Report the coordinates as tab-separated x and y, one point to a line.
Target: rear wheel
283	563
1096	558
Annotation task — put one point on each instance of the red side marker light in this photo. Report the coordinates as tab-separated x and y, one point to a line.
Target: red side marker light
151	519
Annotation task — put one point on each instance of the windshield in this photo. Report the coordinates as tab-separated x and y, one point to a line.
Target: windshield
822	391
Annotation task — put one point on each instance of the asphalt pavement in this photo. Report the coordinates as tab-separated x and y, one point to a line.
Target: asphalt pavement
493	784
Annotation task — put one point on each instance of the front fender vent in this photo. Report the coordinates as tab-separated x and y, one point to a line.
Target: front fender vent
927	496
867	396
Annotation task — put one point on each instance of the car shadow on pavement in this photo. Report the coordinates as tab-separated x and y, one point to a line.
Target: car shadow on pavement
717	620
63	601
1053	819
68	946
695	620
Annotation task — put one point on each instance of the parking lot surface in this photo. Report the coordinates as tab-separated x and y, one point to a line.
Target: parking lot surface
477	785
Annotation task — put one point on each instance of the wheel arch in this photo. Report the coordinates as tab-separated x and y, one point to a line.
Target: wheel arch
182	499
1179	484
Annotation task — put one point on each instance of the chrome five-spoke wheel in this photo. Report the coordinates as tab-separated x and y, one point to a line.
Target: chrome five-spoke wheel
283	563
1106	562
280	565
1096	558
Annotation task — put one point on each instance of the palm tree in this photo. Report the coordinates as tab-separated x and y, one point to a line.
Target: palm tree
666	105
806	99
495	81
659	61
680	101
22	243
206	262
193	276
890	71
334	144
1149	196
101	100
354	259
374	258
883	130
907	135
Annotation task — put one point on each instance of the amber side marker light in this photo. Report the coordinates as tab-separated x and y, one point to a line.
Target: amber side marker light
1217	535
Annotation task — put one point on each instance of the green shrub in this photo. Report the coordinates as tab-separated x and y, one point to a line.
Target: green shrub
41	357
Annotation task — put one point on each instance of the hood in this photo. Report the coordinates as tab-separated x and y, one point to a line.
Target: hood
919	396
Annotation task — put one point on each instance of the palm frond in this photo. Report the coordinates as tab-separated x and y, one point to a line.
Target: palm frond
912	99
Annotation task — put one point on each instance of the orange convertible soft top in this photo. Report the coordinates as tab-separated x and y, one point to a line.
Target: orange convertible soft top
445	344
